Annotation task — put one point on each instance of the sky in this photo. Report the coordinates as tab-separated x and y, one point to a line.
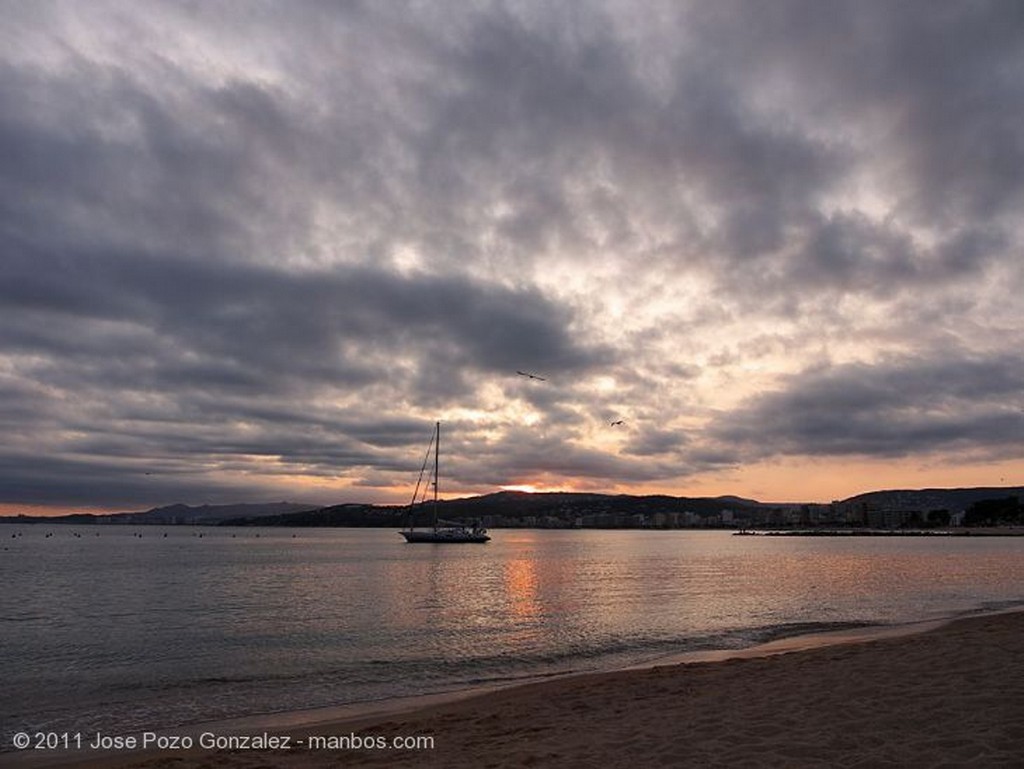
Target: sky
252	251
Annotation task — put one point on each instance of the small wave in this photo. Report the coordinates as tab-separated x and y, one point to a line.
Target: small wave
766	633
994	606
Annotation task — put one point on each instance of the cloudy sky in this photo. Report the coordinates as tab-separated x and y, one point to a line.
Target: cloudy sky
251	251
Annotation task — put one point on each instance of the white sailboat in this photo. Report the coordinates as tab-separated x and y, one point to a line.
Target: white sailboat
440	531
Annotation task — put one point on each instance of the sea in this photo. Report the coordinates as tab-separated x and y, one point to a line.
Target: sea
123	629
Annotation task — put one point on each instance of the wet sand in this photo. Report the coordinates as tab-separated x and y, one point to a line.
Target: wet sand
951	696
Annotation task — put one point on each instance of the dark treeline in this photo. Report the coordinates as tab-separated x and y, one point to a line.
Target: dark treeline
995	512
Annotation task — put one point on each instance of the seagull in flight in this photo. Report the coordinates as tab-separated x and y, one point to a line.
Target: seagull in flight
531	376
617	422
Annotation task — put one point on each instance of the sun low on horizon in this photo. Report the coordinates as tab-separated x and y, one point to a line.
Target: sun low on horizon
697	250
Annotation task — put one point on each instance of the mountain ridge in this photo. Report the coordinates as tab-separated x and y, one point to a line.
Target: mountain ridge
516	504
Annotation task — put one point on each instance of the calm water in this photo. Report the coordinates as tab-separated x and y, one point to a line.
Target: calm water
121	633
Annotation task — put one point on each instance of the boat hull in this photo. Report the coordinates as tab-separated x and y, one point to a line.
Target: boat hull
446	536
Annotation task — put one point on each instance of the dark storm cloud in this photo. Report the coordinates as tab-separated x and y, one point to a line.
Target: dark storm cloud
313	325
91	158
654	442
111	485
894	408
847	253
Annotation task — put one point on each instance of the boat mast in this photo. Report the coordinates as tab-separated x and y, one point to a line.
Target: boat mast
437	451
420	484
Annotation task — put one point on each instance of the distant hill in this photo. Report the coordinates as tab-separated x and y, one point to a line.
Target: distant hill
506	504
519	503
214	513
171	514
335	515
953	500
512	506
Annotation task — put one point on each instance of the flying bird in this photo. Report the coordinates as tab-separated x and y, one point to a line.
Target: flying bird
531	376
617	422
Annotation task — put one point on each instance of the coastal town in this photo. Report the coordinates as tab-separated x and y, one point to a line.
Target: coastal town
925	510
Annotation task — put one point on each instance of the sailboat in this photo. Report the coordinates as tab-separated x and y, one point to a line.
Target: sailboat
440	531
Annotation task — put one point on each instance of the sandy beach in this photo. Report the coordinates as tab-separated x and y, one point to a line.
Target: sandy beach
948	697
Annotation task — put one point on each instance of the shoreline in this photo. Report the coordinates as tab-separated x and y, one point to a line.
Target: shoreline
511	715
825	531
